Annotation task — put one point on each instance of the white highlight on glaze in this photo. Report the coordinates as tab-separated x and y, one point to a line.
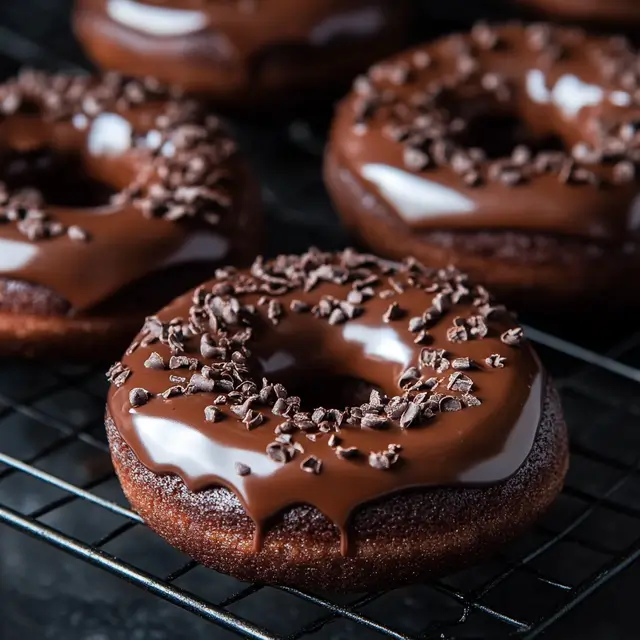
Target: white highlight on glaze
570	93
415	197
154	139
110	134
383	343
362	22
620	98
202	247
15	254
537	87
156	21
278	361
634	214
172	444
516	448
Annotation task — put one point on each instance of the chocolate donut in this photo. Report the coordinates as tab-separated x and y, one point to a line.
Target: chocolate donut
114	197
229	433
595	12
509	151
246	53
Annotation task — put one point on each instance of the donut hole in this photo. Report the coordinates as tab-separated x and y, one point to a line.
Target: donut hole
62	178
498	134
325	390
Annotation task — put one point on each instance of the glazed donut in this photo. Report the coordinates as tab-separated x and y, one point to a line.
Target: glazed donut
114	197
244	53
620	13
509	151
228	429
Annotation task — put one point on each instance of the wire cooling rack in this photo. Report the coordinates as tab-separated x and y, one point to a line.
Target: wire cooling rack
56	482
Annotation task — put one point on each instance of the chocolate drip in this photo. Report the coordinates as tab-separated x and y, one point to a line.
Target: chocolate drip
248	341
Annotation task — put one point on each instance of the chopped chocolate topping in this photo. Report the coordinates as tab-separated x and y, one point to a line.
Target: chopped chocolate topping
279	452
77	233
212	414
415	159
347	453
242	469
179	362
337	316
253	419
457	334
460	382
275	311
449	403
154	361
435	359
496	361
411	416
172	392
623	172
513	337
138	397
462	363
409	376
416	324
383	460
470	401
394	312
118	374
373	421
484	36
311	464
297	306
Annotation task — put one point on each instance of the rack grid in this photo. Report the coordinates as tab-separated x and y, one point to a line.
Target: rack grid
54	456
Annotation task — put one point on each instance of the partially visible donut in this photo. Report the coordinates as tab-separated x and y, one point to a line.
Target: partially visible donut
600	13
228	429
244	53
114	197
510	151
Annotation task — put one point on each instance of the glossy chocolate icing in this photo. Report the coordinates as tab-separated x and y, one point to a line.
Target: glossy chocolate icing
600	11
476	445
570	90
114	145
222	47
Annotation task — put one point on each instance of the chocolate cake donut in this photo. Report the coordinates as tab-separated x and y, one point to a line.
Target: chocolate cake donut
114	197
621	13
508	151
335	421
244	53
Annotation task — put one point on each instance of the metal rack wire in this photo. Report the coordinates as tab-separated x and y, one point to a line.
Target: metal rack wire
53	457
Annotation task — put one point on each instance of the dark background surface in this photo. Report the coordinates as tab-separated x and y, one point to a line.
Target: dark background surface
51	414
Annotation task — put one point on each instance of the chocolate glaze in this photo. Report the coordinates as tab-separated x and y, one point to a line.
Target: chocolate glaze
476	445
597	11
115	145
223	47
578	98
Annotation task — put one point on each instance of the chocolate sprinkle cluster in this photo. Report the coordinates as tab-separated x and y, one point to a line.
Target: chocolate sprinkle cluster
413	98
26	208
221	327
77	97
185	178
182	157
